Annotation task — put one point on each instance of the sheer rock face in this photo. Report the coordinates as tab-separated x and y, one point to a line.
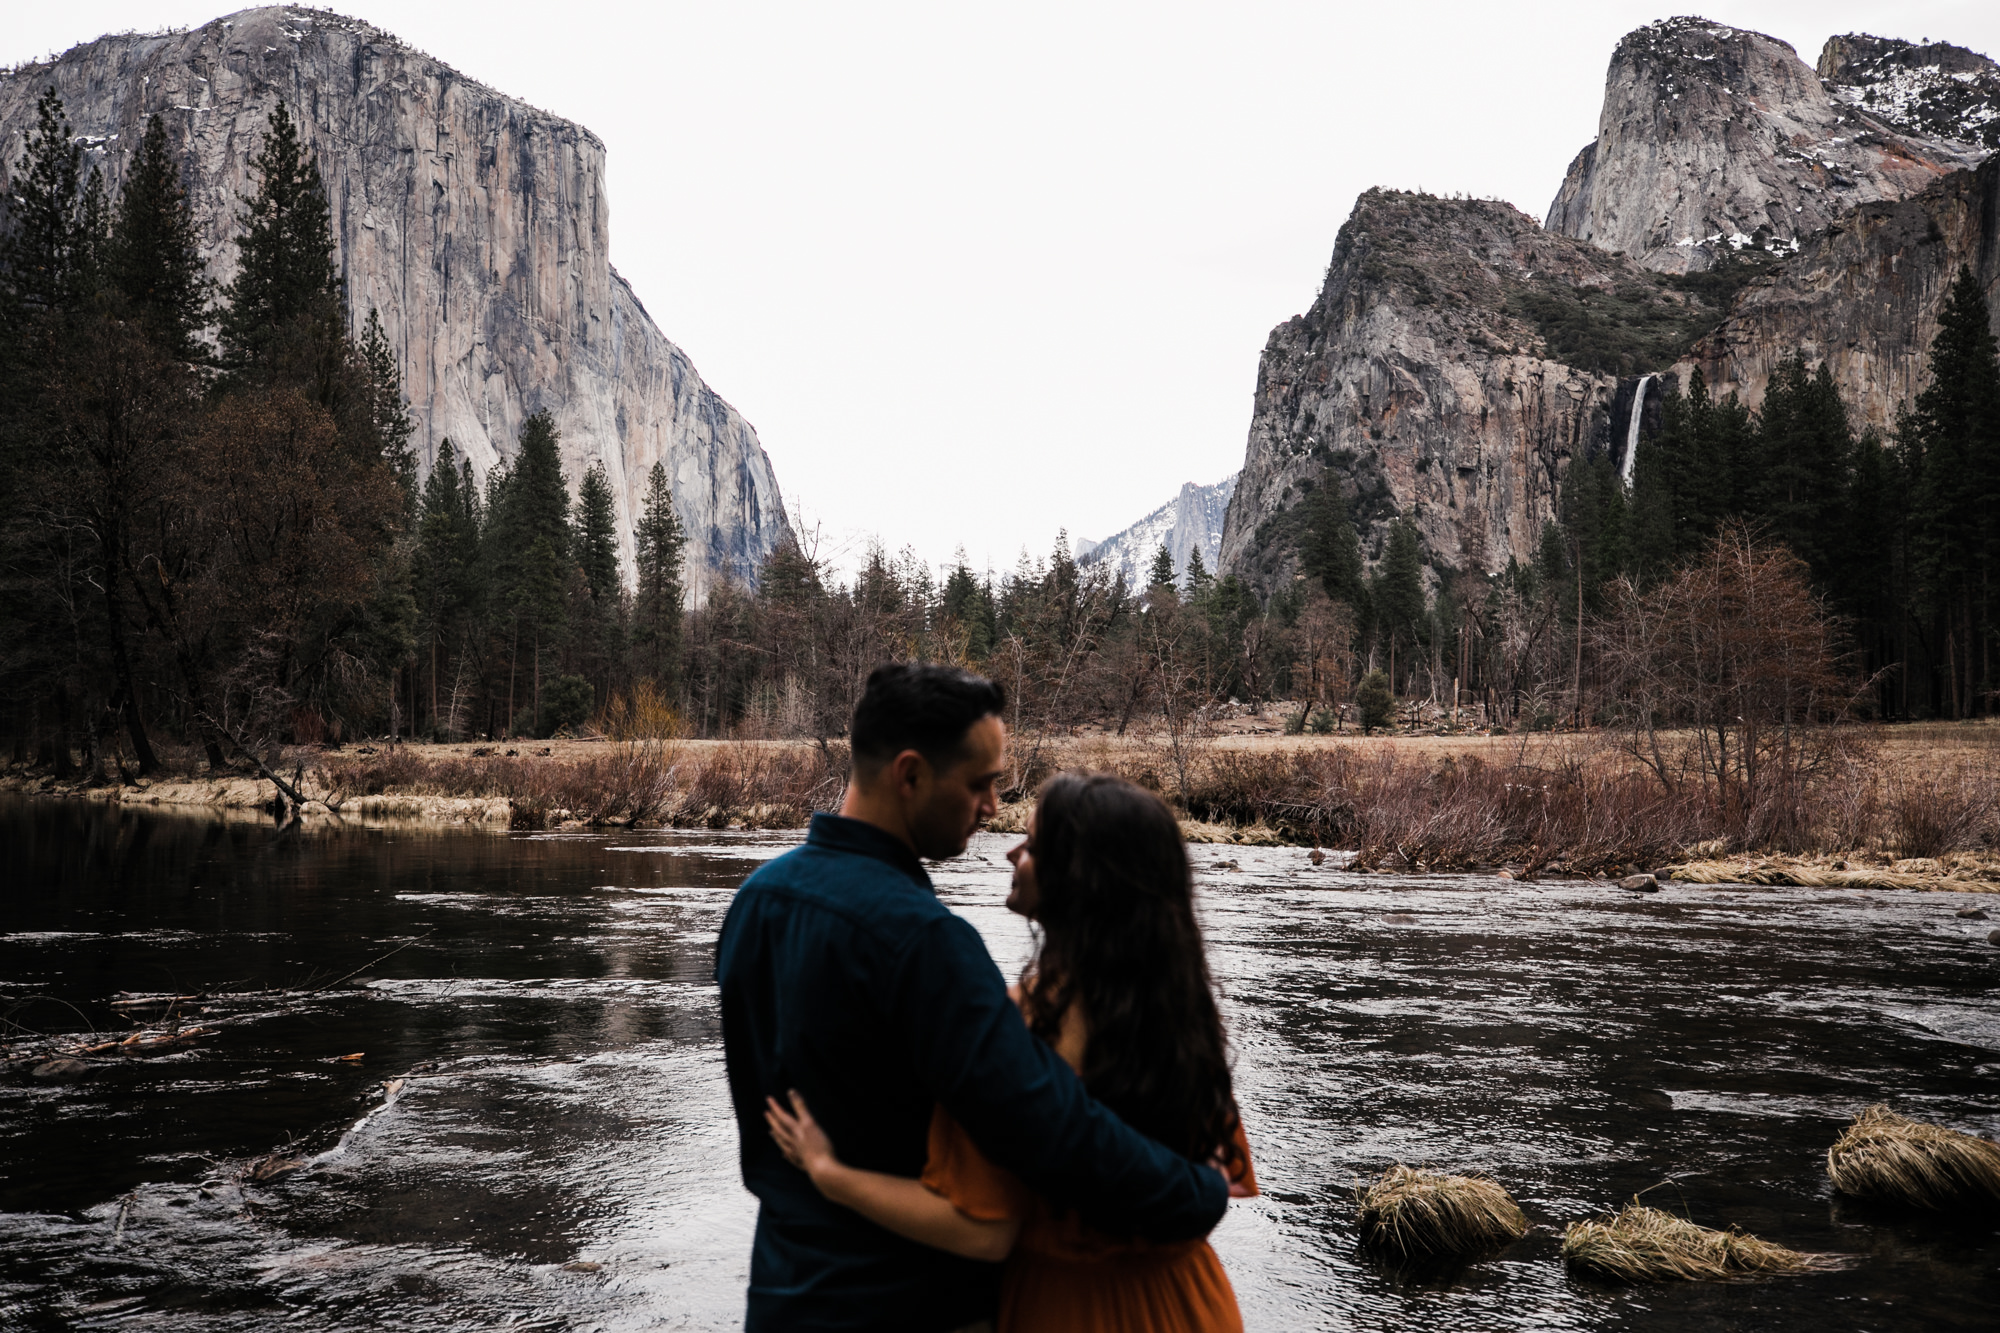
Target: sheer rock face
1188	524
1863	297
1714	136
476	224
1414	379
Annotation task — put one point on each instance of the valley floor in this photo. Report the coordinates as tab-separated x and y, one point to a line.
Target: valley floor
1912	806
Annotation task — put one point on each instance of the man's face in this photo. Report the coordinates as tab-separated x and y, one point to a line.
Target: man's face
949	805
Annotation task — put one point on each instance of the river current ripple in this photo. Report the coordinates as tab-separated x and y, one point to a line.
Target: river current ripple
561	1156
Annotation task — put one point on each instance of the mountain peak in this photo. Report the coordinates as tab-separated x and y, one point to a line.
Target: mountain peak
1713	136
1930	88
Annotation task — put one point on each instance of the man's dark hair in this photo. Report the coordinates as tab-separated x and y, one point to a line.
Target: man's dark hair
914	706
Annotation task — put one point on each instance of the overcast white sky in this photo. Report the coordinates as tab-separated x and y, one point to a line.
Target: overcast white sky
978	272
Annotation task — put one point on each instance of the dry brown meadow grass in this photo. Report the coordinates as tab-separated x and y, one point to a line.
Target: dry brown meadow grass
1539	802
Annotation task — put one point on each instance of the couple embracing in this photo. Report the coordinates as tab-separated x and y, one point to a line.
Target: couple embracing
932	1151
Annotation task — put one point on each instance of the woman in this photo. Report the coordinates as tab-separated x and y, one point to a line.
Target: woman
1119	986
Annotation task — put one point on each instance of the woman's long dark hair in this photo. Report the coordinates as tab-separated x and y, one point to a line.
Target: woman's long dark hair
1118	937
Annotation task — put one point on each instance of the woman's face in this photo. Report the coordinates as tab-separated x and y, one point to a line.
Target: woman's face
1023	896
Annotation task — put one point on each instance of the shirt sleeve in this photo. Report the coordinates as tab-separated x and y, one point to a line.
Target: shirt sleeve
959	1173
1024	1108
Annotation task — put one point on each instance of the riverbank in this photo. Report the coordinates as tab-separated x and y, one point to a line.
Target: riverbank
1895	807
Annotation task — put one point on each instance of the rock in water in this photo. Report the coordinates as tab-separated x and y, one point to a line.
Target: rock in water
60	1071
475	223
1712	136
1640	883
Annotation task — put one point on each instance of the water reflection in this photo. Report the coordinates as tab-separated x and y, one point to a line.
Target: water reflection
562	1157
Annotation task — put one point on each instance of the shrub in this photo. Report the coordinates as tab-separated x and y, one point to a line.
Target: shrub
1934	814
643	716
1376	703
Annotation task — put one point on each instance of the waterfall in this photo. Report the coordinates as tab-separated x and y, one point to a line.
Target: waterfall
1632	430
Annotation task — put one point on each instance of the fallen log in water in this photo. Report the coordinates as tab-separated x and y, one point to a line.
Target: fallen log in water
129	1001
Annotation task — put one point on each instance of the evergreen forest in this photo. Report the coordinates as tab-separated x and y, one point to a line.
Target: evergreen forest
219	540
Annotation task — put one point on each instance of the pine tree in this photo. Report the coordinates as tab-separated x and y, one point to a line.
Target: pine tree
1806	448
445	567
964	604
1400	601
154	262
287	276
1332	551
1163	567
657	613
1198	577
597	536
528	544
533	503
93	239
1953	436
388	412
45	256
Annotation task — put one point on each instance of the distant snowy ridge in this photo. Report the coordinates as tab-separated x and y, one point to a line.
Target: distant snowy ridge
1935	88
1190	522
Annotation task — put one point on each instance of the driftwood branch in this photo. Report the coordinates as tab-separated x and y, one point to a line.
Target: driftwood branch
372	961
290	792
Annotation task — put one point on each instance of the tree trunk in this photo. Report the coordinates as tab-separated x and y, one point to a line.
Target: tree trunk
1579	638
121	662
61	756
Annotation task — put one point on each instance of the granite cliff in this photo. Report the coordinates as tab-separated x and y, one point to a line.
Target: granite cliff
476	224
1190	522
1430	376
1863	297
1713	136
1459	357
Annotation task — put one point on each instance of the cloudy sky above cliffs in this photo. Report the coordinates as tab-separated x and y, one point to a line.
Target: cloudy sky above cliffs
980	272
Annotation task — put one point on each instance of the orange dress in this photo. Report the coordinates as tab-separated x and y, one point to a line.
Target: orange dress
1063	1277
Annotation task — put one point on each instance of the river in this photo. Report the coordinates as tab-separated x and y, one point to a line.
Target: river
560	1153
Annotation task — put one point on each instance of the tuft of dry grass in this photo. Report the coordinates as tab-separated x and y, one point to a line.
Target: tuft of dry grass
1415	1212
1891	1159
1641	1244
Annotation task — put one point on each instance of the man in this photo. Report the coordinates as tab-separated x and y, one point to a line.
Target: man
843	977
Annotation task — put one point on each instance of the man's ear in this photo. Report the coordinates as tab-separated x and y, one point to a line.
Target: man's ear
909	769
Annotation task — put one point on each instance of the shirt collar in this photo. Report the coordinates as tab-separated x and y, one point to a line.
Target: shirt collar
853	835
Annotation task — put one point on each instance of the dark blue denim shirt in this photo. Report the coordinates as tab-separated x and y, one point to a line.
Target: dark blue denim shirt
843	976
